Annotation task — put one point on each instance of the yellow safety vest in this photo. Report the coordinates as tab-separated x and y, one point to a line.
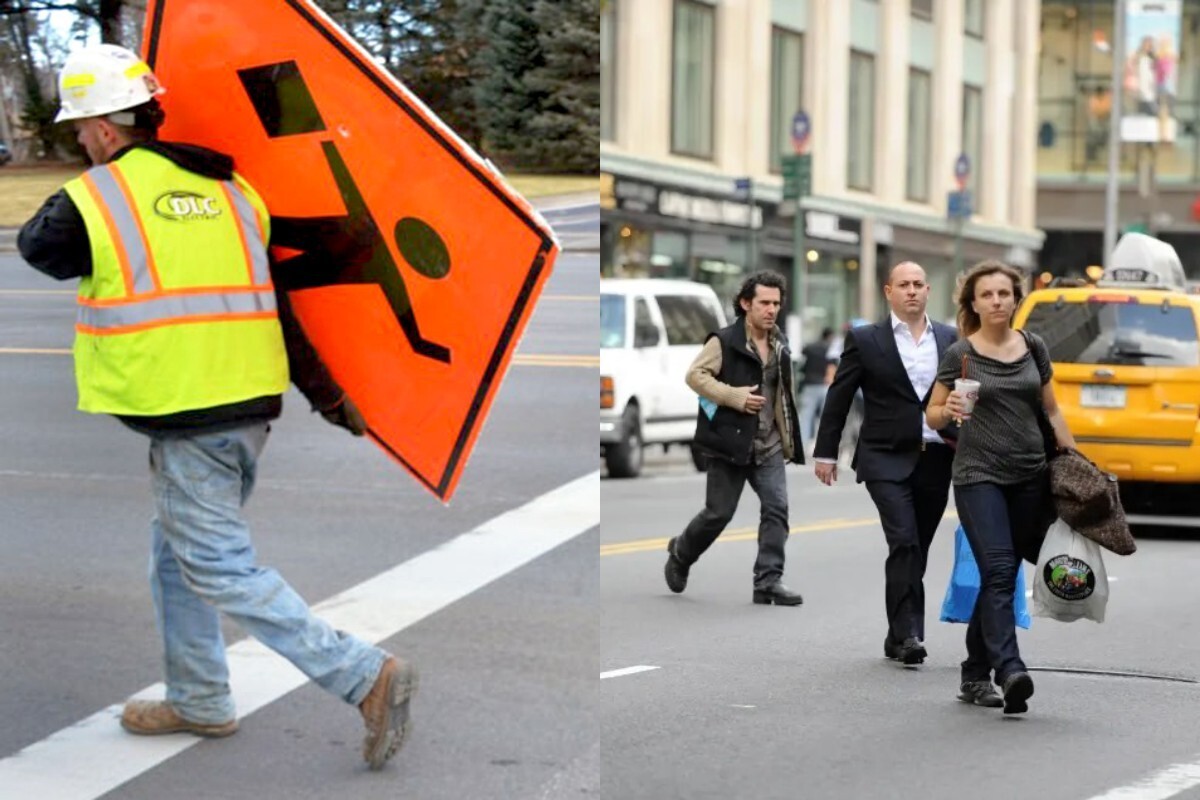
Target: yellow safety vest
179	311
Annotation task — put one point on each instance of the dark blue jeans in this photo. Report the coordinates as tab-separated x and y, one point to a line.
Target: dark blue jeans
1000	521
725	484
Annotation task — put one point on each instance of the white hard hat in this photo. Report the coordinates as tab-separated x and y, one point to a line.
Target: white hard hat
101	79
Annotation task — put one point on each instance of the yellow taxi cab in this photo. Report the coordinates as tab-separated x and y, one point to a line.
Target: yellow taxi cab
1126	357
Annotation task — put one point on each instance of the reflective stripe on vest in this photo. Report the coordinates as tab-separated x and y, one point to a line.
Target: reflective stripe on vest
146	303
175	308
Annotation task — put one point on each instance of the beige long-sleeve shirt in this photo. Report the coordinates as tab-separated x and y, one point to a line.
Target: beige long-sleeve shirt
702	379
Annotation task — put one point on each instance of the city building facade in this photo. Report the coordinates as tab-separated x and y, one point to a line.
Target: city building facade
698	100
1159	181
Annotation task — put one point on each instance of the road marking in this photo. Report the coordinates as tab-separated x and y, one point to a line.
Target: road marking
738	705
94	756
745	534
566	360
38	291
1165	783
34	351
620	673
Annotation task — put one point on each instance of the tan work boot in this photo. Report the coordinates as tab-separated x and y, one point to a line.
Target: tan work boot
385	711
156	717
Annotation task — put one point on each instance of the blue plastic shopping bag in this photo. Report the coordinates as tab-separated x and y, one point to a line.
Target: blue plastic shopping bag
963	590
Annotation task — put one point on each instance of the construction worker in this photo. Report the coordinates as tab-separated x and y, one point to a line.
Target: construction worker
178	335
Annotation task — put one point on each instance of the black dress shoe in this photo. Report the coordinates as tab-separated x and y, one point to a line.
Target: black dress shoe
676	572
891	649
778	594
911	651
1018	688
980	693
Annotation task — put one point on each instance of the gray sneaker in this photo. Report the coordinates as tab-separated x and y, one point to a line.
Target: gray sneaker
980	693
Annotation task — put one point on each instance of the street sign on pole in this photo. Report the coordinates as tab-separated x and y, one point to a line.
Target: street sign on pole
958	204
801	130
741	186
797	176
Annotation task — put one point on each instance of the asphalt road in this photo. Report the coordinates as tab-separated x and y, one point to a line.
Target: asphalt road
507	671
765	702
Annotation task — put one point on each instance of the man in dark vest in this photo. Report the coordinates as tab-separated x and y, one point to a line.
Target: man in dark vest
748	428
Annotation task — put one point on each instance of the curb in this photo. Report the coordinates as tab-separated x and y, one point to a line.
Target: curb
8	240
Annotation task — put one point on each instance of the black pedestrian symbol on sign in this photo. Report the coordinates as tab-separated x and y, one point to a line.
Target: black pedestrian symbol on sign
350	248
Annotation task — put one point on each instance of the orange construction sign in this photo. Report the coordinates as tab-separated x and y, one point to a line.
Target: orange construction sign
412	267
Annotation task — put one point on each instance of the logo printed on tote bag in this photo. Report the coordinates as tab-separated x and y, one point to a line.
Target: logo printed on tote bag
1069	578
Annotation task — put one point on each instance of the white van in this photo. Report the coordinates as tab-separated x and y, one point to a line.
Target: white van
650	332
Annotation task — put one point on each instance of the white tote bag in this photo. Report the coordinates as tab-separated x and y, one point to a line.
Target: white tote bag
1070	582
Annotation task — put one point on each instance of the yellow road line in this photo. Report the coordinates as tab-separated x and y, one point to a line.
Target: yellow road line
535	360
745	534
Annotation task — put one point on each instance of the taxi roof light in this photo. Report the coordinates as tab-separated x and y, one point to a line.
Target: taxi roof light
1143	262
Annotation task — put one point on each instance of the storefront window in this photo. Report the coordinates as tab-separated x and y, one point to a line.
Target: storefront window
1075	92
720	261
692	83
669	258
631	252
787	87
832	292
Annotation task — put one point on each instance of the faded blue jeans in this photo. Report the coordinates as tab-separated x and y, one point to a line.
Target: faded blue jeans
202	563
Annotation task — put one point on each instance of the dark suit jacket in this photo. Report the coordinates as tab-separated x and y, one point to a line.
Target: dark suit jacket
889	443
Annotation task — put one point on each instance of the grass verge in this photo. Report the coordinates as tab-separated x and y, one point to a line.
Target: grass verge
24	188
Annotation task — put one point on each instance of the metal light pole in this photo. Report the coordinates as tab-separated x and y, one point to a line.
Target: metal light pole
1112	188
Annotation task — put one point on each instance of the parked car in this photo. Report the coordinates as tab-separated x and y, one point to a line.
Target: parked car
1126	355
650	332
5	154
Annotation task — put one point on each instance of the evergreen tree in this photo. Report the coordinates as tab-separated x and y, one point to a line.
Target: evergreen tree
567	127
506	99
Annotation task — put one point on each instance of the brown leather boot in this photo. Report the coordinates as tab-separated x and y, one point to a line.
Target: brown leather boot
156	717
385	711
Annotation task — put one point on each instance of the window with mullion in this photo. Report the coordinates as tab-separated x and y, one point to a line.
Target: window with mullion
787	89
860	123
693	65
972	141
920	109
608	70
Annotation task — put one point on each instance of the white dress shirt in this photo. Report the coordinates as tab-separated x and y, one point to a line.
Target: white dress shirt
920	360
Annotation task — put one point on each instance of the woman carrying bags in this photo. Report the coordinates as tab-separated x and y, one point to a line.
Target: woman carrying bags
999	473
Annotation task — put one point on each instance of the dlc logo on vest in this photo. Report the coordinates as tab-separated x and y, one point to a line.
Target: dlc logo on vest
186	206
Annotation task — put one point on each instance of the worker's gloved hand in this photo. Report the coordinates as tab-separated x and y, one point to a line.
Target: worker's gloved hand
346	415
